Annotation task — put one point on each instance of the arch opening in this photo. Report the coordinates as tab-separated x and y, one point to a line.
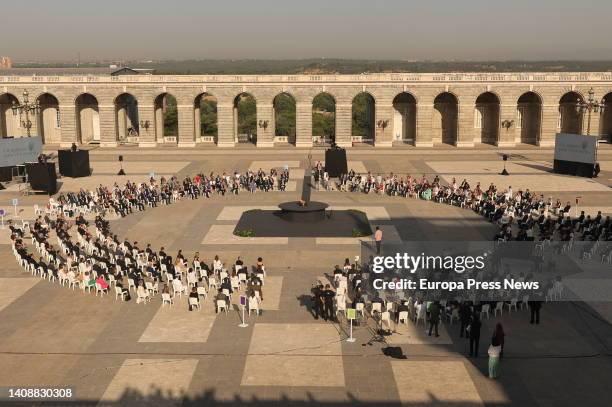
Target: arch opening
363	125
404	118
88	119
445	119
9	123
166	119
570	119
206	125
323	119
486	120
49	124
284	118
606	119
126	112
245	119
529	118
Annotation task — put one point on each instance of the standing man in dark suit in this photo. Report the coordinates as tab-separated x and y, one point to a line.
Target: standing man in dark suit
328	303
317	300
464	316
534	307
474	333
434	317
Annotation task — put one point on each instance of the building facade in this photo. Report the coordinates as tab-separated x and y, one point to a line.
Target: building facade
460	109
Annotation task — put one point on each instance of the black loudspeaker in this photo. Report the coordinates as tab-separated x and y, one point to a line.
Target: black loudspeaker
394	352
74	164
335	162
42	177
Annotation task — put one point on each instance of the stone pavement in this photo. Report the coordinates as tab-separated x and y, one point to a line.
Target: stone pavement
122	353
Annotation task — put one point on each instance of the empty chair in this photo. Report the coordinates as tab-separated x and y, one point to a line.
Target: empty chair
254	305
202	292
376	307
421	313
131	284
359	307
485	310
166	299
340	304
512	304
499	306
385	318
403	317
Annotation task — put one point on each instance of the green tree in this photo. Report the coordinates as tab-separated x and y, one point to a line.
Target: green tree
170	117
284	114
208	116
323	115
247	114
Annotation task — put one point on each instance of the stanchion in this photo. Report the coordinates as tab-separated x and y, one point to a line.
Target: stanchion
2	213
243	303
351	314
15	203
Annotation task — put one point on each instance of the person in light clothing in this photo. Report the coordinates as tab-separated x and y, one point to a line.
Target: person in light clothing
494	353
378	236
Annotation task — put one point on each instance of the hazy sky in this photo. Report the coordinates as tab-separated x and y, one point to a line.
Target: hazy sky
368	29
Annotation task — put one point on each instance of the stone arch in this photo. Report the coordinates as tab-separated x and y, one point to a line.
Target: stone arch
245	118
486	117
606	118
284	116
166	118
363	117
570	120
87	118
404	118
205	117
9	123
445	118
324	117
48	122
529	117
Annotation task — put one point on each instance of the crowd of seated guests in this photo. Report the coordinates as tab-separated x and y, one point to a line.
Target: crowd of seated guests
98	261
137	196
522	215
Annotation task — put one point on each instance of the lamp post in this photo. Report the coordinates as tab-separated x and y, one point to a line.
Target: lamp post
507	124
590	105
382	124
26	108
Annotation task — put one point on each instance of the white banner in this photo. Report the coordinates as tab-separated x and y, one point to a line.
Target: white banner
16	151
576	148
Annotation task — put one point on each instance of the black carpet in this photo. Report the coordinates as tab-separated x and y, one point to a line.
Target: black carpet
337	224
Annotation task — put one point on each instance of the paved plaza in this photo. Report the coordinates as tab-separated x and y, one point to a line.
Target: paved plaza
122	353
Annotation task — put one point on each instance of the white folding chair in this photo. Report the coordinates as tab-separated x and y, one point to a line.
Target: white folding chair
221	305
166	299
194	302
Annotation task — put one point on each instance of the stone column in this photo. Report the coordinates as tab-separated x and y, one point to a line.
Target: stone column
384	137
550	119
465	125
507	137
225	125
108	127
424	119
68	120
186	125
265	138
146	137
344	120
303	124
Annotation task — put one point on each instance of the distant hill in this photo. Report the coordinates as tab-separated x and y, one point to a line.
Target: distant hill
342	66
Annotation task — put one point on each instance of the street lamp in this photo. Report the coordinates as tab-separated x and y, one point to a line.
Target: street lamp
590	105
26	108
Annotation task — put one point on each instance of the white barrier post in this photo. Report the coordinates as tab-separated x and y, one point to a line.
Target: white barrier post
15	203
350	315
243	303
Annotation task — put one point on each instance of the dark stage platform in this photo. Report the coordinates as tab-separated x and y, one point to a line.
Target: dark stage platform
334	224
311	212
